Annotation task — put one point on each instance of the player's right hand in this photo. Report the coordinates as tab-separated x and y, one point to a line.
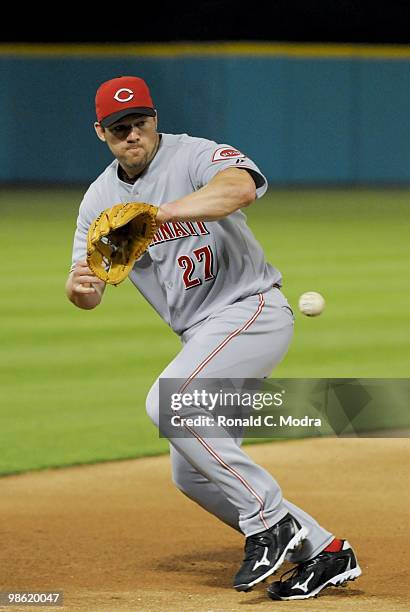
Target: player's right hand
84	289
83	281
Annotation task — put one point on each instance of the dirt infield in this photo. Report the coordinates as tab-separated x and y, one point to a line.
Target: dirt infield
119	536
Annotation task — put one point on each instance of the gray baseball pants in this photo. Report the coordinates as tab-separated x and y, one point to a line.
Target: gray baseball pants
246	339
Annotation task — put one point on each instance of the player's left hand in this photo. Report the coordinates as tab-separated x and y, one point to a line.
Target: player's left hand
118	237
162	215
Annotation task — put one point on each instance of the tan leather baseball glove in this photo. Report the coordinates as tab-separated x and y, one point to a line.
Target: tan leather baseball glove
118	237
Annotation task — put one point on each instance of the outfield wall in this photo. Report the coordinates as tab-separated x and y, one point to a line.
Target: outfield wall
305	113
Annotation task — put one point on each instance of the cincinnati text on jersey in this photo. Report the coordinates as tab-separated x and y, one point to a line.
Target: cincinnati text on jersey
174	230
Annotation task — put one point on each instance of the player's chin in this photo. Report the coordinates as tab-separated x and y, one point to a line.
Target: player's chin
136	158
132	166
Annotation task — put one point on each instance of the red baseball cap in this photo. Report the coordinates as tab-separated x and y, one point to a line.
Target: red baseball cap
120	97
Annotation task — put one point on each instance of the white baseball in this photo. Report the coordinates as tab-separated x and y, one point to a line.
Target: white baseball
311	303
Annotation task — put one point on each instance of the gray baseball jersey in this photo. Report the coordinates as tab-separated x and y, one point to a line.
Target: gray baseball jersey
191	269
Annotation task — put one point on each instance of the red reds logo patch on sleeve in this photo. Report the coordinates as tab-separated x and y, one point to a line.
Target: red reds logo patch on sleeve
224	153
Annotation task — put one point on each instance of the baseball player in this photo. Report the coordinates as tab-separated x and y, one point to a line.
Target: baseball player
206	276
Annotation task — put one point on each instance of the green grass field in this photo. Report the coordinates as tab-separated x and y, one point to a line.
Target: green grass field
73	383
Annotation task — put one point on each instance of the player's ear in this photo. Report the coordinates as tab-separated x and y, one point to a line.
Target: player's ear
156	119
100	131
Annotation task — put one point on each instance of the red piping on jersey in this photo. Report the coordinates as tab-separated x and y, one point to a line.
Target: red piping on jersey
234	472
201	440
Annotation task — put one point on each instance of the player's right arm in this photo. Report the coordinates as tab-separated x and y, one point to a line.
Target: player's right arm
82	288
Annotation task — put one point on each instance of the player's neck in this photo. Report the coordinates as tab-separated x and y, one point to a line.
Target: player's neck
124	176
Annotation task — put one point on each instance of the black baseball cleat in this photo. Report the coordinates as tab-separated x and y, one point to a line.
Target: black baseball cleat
309	578
265	551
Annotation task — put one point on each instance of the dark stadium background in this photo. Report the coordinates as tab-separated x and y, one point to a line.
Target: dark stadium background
279	20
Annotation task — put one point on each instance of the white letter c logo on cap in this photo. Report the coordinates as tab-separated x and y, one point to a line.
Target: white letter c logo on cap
122	98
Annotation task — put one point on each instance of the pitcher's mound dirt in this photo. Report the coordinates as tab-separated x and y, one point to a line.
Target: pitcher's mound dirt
119	536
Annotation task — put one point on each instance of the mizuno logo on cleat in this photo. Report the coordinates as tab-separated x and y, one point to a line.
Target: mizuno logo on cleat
263	561
304	585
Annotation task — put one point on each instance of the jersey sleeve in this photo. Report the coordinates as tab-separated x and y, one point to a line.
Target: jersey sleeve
209	158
